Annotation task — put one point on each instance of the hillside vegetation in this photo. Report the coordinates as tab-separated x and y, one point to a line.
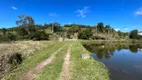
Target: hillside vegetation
26	29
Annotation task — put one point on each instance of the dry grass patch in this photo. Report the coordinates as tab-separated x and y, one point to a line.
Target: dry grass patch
26	48
12	54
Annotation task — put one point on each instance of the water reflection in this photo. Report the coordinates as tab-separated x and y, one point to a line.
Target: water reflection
106	50
124	61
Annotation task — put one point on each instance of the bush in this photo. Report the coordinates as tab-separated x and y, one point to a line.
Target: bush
85	34
39	35
8	37
11	37
133	34
93	37
97	38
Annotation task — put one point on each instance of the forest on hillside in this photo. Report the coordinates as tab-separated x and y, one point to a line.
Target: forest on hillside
26	29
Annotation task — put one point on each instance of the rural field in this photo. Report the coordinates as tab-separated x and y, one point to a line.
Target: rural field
71	40
50	60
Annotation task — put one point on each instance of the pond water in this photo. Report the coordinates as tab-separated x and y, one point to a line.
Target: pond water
124	61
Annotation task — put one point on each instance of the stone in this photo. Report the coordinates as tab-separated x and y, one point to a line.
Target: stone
85	56
60	39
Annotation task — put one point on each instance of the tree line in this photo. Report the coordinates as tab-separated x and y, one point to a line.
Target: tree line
26	29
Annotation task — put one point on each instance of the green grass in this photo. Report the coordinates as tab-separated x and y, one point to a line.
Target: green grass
88	69
32	62
53	70
80	69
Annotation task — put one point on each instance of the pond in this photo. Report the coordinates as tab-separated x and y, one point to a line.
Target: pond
124	61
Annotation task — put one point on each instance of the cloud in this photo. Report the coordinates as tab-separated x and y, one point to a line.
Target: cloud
139	11
125	29
53	14
13	7
133	27
117	29
82	12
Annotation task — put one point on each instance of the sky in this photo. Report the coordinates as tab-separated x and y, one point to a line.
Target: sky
124	15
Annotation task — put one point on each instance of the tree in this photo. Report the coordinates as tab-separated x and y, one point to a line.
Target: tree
55	27
26	22
45	26
119	33
85	34
107	28
100	27
39	35
133	34
74	28
67	25
4	31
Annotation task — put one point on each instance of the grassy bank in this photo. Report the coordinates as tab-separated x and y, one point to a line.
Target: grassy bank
13	53
88	69
32	62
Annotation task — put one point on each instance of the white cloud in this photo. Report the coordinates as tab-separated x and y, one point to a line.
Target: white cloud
82	12
117	29
139	11
13	7
53	14
125	29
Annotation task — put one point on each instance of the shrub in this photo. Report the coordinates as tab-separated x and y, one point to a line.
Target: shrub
133	34
8	37
39	35
85	34
11	37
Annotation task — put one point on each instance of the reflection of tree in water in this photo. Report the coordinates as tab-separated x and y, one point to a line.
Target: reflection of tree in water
133	48
106	50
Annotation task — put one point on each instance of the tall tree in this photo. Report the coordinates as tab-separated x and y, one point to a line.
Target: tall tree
100	26
26	22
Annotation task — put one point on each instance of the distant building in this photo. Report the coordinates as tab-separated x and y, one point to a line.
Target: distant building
140	33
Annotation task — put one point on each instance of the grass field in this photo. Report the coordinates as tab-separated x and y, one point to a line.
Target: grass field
26	48
88	69
80	69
